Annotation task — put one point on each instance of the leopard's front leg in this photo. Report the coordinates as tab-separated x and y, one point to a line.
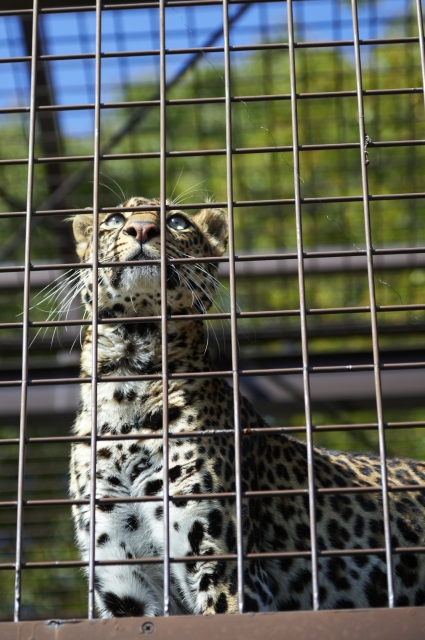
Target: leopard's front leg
120	533
205	528
212	585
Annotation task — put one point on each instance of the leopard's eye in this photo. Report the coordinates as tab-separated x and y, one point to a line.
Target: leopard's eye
178	223
113	222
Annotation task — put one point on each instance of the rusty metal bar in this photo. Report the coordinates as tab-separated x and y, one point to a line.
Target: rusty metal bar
373	315
207	152
223	316
396	366
269	332
224	495
140	53
236	203
249	98
26	322
164	341
233	307
303	315
94	321
50	6
263	257
325	553
365	426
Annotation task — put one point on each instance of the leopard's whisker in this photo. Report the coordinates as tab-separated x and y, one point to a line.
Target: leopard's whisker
190	190
175	186
118	185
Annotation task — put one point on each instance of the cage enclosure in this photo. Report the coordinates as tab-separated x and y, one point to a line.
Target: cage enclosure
304	121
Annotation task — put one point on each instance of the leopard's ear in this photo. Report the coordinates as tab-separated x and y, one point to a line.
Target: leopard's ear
82	227
213	223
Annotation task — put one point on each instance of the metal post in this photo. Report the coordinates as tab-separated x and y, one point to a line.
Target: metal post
303	313
164	346
26	320
373	315
233	309
94	323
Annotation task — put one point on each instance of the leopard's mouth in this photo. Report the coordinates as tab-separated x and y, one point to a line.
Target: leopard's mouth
142	252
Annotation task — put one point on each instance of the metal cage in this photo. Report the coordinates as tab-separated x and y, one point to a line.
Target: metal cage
306	118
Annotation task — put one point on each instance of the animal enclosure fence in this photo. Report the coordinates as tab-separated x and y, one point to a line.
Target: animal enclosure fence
305	121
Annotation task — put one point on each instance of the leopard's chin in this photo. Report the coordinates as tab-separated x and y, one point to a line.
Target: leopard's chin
143	277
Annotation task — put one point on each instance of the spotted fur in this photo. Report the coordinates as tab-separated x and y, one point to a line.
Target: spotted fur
207	464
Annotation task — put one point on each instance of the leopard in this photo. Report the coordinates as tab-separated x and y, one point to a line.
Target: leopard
348	505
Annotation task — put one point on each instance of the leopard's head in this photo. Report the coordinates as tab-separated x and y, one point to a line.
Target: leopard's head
129	236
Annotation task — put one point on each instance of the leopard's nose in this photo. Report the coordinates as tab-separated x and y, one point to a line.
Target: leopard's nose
142	231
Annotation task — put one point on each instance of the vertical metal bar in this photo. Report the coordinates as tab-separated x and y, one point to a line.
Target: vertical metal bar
94	325
26	312
233	309
421	42
303	316
164	346
372	301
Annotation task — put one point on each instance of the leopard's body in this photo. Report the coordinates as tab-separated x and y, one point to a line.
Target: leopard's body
134	468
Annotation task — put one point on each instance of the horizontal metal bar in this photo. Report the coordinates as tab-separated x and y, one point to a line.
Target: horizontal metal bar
213	152
393	366
238	203
24	7
207	433
325	553
219	100
263	257
282	313
224	495
189	50
51	6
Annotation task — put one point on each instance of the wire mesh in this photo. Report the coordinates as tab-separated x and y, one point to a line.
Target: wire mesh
268	106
